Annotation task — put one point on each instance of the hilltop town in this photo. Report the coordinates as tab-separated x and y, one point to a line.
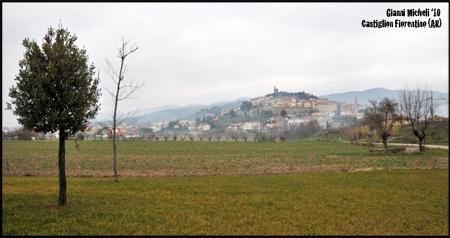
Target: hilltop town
271	115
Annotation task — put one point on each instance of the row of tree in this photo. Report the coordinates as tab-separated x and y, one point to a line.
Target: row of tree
416	107
20	134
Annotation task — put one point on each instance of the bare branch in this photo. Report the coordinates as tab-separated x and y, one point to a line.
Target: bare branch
124	50
124	116
111	71
110	92
132	90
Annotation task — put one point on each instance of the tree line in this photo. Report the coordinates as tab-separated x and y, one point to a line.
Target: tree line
417	108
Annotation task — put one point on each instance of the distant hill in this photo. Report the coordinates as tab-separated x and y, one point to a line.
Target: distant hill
188	112
155	109
363	97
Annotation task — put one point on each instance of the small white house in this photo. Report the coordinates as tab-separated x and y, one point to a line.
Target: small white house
203	127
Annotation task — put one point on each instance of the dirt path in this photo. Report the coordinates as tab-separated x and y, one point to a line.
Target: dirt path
443	147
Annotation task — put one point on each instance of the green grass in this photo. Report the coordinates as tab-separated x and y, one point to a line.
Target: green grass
437	134
146	158
408	197
400	202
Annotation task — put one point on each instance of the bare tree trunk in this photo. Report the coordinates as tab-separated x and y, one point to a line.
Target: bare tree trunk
421	138
115	151
62	169
384	137
116	101
385	145
124	51
7	168
421	144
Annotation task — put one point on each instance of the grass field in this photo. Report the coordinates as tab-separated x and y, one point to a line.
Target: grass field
400	202
207	158
224	188
437	133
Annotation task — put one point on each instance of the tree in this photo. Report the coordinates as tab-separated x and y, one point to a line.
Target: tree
56	90
22	134
124	89
246	106
381	117
327	127
282	135
283	113
244	136
418	108
232	113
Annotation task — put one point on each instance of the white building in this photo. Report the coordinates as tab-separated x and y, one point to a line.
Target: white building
203	127
298	121
235	127
156	127
251	125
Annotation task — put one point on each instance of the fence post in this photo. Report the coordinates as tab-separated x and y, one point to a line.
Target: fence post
7	168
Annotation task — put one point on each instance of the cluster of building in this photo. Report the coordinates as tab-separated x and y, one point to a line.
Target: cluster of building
273	111
134	131
289	111
279	110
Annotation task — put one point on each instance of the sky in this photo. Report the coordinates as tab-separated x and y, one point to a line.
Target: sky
201	53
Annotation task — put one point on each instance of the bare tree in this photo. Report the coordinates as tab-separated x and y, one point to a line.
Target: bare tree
381	117
235	137
282	135
124	89
418	108
244	136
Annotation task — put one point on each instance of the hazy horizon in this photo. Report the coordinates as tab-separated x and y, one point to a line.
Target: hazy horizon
203	53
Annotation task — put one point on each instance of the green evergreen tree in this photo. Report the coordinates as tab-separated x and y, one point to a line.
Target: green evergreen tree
56	91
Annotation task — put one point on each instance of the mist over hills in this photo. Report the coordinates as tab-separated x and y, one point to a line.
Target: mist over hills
189	112
363	97
373	93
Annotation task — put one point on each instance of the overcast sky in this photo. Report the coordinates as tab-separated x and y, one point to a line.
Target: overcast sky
200	53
